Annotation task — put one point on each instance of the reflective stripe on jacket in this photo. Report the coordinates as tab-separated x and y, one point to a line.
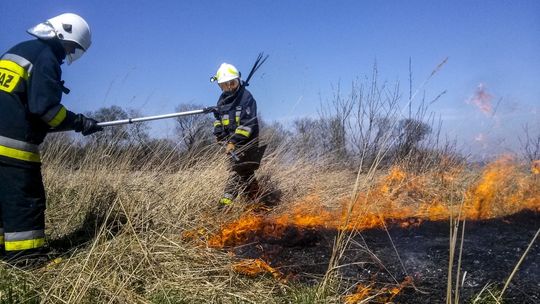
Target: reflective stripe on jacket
30	94
236	118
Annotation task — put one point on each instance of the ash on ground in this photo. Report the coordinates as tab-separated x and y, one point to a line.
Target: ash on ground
382	258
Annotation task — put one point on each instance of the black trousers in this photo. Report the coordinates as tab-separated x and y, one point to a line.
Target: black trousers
242	173
22	208
240	180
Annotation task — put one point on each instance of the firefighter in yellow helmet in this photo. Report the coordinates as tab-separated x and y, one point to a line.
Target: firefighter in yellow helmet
31	89
237	127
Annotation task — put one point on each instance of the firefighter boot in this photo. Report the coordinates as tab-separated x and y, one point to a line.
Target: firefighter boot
27	259
226	201
2	248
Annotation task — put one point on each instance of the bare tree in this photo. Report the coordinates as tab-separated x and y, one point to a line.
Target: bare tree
373	121
307	138
122	134
274	135
410	132
530	145
367	126
138	132
334	118
195	131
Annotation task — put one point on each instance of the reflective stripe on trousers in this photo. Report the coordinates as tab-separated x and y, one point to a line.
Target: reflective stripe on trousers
244	131
23	240
17	149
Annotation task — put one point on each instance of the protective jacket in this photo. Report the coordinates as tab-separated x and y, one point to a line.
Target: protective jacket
30	93
236	117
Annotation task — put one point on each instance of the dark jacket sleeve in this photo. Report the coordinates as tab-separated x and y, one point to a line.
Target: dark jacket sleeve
219	131
45	92
249	125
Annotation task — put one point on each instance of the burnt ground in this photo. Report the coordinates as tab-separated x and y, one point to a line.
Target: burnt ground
491	250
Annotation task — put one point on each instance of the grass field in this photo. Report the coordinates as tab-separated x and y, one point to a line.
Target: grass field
154	234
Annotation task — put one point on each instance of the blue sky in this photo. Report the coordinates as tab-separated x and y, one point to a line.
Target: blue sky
154	55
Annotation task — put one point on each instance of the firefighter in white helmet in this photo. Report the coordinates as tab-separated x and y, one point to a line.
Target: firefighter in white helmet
237	126
31	90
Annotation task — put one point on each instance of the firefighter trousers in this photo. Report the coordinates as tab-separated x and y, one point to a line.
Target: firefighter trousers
242	174
241	181
22	209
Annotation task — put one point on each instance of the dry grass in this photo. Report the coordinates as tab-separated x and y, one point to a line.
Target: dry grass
122	231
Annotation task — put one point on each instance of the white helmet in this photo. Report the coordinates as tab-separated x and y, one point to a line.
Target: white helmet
226	72
66	27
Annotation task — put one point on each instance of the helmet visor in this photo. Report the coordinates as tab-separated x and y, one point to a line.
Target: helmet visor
229	86
74	55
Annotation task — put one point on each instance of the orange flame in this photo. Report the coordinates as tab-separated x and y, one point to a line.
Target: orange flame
401	198
535	167
383	295
362	292
502	189
255	267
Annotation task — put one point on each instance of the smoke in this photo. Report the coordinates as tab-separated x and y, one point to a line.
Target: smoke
482	100
480	137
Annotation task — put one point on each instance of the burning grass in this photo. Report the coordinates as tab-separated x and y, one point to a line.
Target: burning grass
154	235
399	197
364	294
255	267
397	200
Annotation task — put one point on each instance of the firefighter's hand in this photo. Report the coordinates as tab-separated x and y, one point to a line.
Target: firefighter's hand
86	125
229	148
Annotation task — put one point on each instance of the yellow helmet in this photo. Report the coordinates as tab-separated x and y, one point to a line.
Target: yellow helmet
226	72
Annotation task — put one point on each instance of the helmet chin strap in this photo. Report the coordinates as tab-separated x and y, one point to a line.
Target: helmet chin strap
73	51
230	93
68	50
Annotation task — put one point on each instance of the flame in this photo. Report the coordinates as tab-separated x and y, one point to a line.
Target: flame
535	167
502	189
481	197
255	267
400	197
362	292
238	231
384	295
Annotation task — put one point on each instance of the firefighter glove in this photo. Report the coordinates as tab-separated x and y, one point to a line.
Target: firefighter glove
229	148
86	125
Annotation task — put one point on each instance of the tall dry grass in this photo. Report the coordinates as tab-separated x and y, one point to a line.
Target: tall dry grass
118	229
120	226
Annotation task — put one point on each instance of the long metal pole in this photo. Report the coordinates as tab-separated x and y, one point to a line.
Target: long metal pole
156	117
233	154
164	116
